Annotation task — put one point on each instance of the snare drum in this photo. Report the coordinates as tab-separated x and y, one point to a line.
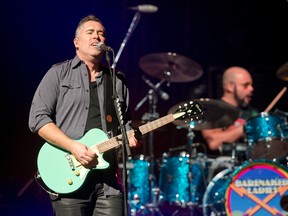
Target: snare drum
266	136
257	188
138	183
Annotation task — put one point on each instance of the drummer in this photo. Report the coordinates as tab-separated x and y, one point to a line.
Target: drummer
237	87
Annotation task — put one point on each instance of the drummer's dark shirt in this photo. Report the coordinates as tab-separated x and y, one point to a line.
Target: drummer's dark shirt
244	113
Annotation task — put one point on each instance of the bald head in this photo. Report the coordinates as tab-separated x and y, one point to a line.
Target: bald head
237	86
232	74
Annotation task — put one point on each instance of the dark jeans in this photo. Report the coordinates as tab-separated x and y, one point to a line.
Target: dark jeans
95	205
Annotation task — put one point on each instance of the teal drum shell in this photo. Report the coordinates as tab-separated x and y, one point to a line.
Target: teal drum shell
181	180
266	136
138	183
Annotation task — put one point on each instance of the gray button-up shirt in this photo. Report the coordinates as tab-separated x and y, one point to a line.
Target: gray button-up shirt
63	97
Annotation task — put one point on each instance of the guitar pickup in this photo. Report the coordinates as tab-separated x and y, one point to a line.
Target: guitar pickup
70	161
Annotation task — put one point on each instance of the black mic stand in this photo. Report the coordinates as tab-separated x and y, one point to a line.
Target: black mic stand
125	147
126	152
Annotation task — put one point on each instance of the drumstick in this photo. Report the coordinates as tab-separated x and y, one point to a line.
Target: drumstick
275	99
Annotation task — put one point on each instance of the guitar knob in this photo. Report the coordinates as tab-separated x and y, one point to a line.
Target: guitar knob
76	172
70	181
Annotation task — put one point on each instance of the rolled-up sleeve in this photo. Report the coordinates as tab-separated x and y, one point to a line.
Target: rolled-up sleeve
44	101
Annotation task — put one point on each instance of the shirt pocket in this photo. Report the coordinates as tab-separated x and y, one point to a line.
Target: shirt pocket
70	87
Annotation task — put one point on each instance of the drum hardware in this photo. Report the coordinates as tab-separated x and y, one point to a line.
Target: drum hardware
281	113
236	151
152	204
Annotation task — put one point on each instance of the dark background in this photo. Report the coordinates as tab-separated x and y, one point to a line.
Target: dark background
215	34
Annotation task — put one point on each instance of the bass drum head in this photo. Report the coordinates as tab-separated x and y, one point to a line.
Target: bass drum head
213	200
258	188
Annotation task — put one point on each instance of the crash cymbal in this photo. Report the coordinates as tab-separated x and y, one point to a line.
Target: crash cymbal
282	72
216	114
181	68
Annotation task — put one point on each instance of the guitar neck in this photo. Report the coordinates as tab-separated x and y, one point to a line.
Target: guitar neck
146	128
150	126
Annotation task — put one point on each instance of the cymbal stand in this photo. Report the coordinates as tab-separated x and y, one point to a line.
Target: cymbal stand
233	155
152	115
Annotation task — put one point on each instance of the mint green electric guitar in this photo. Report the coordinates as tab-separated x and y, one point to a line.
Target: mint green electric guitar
62	173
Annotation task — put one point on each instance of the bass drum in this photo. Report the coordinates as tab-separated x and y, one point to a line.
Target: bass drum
258	188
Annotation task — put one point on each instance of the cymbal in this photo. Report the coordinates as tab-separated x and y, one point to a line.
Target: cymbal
216	114
282	72
181	68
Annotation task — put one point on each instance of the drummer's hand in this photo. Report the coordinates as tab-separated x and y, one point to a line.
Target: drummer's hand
239	121
238	126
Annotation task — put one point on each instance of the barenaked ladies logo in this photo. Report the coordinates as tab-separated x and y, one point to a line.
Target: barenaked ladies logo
261	186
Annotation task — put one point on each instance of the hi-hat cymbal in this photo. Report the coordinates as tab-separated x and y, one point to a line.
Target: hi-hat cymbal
282	72
216	114
181	68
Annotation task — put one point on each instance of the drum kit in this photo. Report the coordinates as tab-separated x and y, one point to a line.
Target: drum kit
186	184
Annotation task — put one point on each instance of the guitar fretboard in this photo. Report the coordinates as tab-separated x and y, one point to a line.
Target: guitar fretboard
146	128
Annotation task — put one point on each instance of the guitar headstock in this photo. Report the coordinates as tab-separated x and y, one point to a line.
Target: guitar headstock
189	111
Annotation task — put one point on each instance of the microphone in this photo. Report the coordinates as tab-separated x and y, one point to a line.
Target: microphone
156	88
145	8
102	47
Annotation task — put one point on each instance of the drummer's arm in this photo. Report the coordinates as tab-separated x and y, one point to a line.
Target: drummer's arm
216	137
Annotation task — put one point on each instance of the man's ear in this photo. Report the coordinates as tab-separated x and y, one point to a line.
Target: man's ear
230	86
76	42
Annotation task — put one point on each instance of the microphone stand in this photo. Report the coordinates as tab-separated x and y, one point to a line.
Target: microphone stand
126	152
125	147
132	27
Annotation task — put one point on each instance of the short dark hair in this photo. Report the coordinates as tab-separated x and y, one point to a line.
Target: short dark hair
85	19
